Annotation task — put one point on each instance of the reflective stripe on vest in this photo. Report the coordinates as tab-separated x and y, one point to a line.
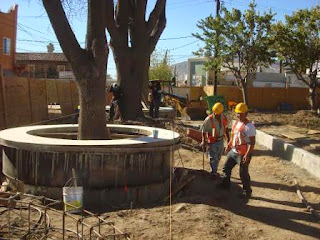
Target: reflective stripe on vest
239	136
218	131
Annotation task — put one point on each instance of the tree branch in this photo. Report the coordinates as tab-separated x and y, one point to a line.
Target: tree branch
140	14
155	15
137	25
62	29
96	38
110	22
156	33
122	21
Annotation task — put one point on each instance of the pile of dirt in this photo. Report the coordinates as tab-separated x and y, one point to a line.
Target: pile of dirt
303	118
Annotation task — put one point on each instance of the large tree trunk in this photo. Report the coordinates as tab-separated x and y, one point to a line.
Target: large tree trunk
132	77
132	40
88	65
92	118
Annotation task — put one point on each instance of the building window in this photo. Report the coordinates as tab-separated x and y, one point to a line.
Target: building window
6	45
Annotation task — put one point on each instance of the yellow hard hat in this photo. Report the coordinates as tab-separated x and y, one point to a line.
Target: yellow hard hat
241	108
217	108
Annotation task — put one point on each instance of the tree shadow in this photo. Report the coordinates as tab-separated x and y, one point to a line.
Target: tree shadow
285	203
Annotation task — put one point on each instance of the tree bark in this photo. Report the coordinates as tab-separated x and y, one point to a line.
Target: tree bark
132	71
244	95
88	65
312	97
132	40
244	92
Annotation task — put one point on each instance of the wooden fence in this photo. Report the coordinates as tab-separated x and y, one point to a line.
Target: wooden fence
25	100
267	98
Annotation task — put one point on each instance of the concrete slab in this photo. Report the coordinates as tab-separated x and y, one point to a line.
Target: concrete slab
30	138
302	158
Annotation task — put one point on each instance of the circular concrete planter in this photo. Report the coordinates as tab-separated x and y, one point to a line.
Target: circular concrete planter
35	160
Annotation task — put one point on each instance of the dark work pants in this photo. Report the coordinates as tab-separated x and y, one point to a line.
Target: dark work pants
233	159
154	108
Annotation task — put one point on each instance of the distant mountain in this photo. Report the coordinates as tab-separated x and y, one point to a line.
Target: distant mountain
180	70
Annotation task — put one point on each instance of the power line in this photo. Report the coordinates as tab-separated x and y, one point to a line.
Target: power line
174	38
188	5
184	45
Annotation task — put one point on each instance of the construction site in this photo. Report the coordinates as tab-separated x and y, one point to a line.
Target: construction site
84	155
126	196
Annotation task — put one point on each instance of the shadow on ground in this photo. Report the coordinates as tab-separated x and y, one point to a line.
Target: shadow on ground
203	191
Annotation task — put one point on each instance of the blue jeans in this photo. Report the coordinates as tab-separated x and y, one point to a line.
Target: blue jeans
215	152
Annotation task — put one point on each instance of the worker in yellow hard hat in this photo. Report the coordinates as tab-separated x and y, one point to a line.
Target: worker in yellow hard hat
214	128
240	149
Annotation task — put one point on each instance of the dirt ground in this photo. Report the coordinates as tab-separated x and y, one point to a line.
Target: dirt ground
201	211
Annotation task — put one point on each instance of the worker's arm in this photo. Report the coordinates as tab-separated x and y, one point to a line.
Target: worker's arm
203	142
229	145
246	158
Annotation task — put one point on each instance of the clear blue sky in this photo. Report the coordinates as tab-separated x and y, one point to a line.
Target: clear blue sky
35	31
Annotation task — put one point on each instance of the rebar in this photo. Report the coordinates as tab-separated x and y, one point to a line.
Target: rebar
20	209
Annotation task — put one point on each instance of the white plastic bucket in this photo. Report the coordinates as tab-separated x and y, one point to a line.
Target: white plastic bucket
74	197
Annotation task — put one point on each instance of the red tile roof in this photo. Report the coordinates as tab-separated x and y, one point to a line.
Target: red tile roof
49	57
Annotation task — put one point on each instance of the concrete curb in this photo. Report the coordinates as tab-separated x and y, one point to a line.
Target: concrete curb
302	158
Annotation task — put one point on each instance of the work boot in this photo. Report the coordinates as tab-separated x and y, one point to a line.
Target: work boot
246	194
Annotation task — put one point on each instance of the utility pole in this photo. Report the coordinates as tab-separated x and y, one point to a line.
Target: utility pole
216	51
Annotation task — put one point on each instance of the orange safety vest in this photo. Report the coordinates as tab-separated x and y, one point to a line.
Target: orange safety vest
240	143
217	135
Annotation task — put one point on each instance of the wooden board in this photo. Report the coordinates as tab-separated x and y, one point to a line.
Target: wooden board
312	132
292	135
17	94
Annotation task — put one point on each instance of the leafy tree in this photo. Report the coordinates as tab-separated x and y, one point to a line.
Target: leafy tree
298	44
159	68
244	43
88	64
132	40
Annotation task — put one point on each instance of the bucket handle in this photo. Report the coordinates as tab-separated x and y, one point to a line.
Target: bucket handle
73	178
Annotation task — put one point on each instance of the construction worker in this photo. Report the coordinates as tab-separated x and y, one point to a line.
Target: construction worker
155	99
76	115
114	104
214	127
239	150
